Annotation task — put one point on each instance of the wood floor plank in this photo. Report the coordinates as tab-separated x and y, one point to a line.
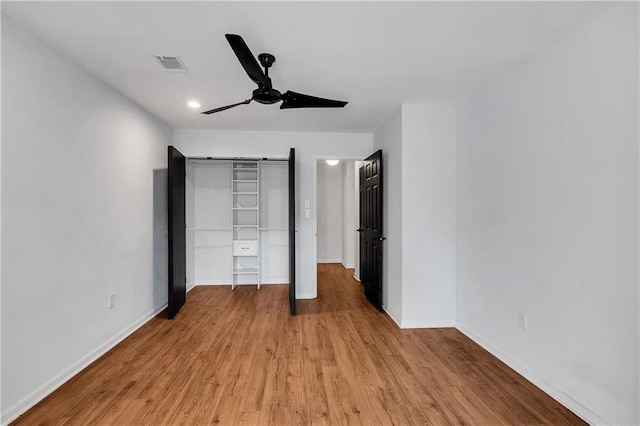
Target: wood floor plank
239	358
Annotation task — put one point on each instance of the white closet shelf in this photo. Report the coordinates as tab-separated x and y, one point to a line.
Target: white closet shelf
245	181
245	271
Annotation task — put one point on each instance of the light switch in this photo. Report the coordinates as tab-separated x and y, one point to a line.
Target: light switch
306	204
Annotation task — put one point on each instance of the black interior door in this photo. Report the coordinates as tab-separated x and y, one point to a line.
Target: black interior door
177	232
292	230
371	236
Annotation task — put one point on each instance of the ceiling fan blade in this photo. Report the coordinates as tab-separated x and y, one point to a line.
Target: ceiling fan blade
211	111
298	100
247	60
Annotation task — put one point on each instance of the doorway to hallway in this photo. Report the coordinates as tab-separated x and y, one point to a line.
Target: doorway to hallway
348	219
336	211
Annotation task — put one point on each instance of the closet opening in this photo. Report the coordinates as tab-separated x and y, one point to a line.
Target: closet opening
232	225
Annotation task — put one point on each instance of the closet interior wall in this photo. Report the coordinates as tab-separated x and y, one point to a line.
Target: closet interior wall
209	218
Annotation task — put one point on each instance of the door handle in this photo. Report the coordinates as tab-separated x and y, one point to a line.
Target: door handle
359	230
382	238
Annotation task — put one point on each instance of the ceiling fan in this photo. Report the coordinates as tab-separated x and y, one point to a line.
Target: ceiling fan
265	93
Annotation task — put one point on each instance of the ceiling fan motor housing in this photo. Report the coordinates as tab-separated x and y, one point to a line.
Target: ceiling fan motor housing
265	96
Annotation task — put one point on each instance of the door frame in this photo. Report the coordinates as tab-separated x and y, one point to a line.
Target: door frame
314	209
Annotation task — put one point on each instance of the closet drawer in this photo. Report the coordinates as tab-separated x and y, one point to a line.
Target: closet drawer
245	248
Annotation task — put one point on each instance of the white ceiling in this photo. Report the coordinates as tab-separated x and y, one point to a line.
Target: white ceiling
376	55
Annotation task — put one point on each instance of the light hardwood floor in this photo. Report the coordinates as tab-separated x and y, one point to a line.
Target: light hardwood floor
238	358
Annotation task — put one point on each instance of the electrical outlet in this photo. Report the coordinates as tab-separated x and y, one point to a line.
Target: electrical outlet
523	321
112	300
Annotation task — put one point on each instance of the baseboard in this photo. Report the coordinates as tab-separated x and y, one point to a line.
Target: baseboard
393	318
43	391
207	283
348	265
227	283
262	284
404	324
305	296
419	323
357	278
330	261
544	383
276	281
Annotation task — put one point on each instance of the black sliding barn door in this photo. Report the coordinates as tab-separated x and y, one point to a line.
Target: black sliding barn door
371	237
292	230
177	232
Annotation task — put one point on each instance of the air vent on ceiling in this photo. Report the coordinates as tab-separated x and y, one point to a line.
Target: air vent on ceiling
171	63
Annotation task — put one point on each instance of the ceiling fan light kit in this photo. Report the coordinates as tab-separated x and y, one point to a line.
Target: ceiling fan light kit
265	93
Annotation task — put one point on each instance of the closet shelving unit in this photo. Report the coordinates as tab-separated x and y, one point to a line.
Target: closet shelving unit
245	216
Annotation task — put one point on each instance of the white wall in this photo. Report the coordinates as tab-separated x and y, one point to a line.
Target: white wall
83	215
274	222
388	138
1	274
229	143
211	209
548	219
329	210
419	213
349	214
428	216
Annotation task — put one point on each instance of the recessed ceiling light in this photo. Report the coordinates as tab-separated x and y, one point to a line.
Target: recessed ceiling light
193	104
332	162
